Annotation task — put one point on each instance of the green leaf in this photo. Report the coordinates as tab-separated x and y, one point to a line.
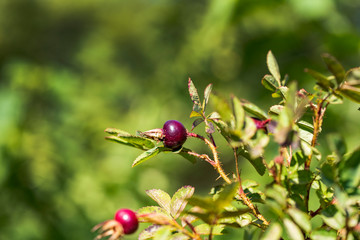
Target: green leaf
146	156
334	67
207	95
300	218
349	170
149	232
276	109
161	197
179	200
322	80
273	232
238	113
322	234
306	135
118	132
270	83
223	108
195	114
163	233
205	229
196	123
133	141
273	67
336	144
278	193
179	236
305	125
253	109
333	217
226	196
237	213
214	115
351	92
205	203
185	154
257	163
292	230
155	215
194	96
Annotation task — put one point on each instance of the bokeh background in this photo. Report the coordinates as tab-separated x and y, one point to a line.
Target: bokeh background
70	69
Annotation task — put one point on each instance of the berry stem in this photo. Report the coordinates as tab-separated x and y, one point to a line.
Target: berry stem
216	162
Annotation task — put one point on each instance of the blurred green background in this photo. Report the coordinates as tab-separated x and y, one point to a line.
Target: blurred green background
70	69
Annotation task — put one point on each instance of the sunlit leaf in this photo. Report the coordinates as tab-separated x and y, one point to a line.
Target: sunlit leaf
322	80
273	67
163	233
273	232
253	109
334	67
323	234
149	232
270	83
179	236
351	92
207	95
238	113
276	109
161	197
195	114
146	156
179	200
133	141
214	115
257	163
154	214
185	154
205	229
301	218
333	217
292	230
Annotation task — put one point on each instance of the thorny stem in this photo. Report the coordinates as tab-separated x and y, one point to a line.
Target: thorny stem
243	196
319	112
216	162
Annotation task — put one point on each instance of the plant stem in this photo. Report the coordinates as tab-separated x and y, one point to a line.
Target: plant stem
242	194
216	162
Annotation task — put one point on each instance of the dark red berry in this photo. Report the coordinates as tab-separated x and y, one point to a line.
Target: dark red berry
127	219
175	134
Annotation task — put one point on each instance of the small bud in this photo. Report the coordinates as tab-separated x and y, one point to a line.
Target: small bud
156	134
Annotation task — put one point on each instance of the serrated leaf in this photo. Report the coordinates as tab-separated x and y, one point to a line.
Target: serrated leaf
253	109
146	156
334	67
322	80
149	232
270	83
293	230
207	95
306	135
185	154
163	233
322	234
205	229
238	113
300	218
194	96
161	197
273	232
257	163
273	67
179	200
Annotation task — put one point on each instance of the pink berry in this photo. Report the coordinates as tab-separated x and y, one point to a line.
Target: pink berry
175	134
127	219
